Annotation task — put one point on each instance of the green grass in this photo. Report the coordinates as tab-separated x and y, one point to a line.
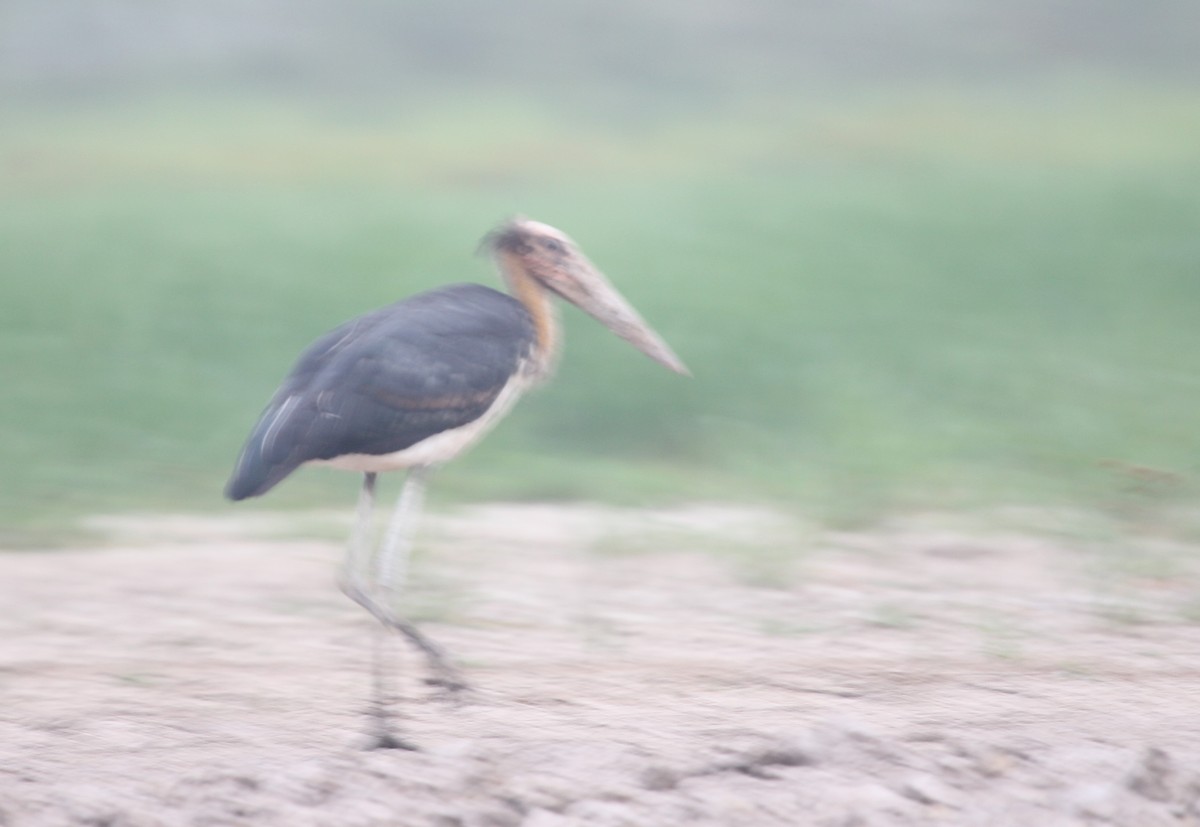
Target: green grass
925	301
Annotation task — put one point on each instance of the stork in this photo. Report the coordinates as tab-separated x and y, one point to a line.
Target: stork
413	385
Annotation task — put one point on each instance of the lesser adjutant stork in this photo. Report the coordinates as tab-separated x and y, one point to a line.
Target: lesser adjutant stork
414	384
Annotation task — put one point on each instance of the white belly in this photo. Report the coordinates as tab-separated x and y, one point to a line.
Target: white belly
440	447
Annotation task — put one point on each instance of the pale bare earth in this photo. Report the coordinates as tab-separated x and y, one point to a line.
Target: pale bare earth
709	666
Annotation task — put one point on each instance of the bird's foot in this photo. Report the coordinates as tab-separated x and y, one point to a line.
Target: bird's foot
450	685
388	740
445	676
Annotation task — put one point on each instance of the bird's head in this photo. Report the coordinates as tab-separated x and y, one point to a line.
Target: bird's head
548	258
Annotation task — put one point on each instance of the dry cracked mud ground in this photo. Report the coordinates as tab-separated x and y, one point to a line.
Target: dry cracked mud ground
709	666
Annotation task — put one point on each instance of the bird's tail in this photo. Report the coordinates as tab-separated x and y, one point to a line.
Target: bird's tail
252	477
259	468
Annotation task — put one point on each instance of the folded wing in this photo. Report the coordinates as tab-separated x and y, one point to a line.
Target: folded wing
385	381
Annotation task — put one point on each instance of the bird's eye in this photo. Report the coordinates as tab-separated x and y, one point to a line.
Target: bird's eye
553	245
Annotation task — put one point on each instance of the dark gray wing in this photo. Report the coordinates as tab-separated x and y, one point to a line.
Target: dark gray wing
387	380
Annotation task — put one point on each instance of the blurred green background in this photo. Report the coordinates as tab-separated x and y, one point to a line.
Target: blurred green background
917	256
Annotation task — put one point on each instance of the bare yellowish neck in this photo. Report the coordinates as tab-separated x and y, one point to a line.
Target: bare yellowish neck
538	302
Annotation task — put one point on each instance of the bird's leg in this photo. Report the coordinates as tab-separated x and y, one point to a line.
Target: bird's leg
357	558
389	572
391	575
357	555
384	736
391	562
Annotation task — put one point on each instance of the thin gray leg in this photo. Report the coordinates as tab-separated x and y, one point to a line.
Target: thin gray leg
385	736
389	570
353	570
358	553
391	563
